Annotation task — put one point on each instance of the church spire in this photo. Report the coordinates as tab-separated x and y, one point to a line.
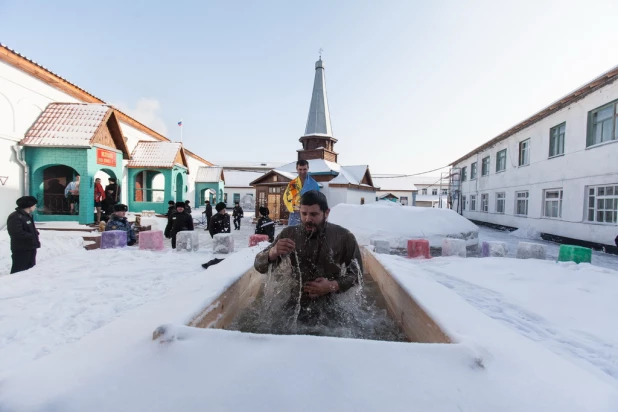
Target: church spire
318	121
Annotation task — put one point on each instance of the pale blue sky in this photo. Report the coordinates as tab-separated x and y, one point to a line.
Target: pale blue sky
411	85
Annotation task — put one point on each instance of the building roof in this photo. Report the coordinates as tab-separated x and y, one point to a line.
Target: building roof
73	125
351	175
38	71
316	166
211	174
397	184
161	155
248	165
603	80
318	120
241	178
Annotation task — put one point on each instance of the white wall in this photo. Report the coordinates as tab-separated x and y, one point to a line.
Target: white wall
241	190
398	193
579	167
354	196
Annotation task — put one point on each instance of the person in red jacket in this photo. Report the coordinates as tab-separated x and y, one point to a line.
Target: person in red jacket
99	197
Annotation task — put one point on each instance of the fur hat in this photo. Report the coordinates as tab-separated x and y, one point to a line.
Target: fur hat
187	202
180	204
264	211
112	180
120	208
171	203
26	202
220	206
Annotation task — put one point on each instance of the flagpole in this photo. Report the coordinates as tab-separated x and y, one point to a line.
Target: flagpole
181	127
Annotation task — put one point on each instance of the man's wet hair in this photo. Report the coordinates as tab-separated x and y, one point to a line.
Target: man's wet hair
313	197
302	162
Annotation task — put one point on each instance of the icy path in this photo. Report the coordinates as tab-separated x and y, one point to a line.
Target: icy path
567	308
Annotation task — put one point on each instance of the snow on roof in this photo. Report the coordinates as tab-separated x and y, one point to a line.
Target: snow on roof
350	175
66	124
240	178
211	174
155	154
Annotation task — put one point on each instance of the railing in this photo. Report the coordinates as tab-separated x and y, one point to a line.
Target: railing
54	204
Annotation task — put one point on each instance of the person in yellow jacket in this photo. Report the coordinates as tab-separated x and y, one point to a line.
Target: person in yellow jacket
296	188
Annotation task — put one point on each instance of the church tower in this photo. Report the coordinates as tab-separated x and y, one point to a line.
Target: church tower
318	141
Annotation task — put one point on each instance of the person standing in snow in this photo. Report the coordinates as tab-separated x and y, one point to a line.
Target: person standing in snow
112	195
208	213
327	255
99	197
187	207
23	234
220	223
71	192
179	222
238	214
171	208
265	225
295	189
119	221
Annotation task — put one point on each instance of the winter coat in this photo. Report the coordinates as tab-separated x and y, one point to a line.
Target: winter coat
178	222
99	193
170	212
208	210
121	223
265	226
22	231
238	212
219	224
113	197
188	209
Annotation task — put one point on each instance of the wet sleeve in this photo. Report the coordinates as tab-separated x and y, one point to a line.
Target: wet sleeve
353	262
261	259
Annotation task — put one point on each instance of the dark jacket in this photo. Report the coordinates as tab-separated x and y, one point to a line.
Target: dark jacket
188	209
178	222
209	210
22	231
113	197
238	212
265	226
170	211
219	224
121	223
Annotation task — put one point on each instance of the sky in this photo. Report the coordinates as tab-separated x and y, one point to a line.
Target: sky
412	86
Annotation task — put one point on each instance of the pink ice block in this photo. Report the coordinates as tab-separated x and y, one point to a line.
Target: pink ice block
151	240
418	248
255	239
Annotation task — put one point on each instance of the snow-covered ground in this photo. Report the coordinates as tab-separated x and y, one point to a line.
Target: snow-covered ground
76	330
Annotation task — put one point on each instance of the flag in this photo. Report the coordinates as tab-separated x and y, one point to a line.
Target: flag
180	123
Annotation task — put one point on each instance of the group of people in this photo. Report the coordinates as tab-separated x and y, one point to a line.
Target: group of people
104	199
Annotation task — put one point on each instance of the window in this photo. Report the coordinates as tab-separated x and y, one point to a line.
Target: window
236	197
403	200
463	203
444	192
501	161
500	202
473	171
362	201
552	203
485	166
524	152
434	192
464	172
556	140
521	203
225	198
261	199
602	124
603	203
274	190
484	202
472	202
424	191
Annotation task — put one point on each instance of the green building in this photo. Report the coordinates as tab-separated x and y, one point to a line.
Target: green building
209	185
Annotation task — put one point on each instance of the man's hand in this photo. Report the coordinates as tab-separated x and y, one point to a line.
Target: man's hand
282	247
320	287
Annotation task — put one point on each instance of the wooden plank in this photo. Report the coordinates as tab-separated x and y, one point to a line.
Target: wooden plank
415	322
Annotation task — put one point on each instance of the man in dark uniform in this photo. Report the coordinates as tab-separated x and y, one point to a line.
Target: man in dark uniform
171	208
238	214
187	207
178	222
112	196
23	234
265	225
220	223
208	213
118	221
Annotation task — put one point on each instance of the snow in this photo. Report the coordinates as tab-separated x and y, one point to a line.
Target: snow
395	183
454	247
494	249
223	243
241	178
154	154
527	250
526	232
391	221
187	241
209	174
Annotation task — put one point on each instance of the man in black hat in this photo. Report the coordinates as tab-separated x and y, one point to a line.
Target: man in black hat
23	233
220	223
112	195
118	221
171	208
187	207
265	225
178	222
238	214
208	213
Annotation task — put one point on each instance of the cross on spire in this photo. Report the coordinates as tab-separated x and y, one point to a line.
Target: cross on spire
320	51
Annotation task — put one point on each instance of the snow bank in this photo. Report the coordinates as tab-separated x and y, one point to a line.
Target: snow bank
395	223
526	232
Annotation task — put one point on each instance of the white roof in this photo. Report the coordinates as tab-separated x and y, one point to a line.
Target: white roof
241	178
155	154
66	124
209	174
351	174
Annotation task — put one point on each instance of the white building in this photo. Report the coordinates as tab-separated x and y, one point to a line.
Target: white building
26	89
556	171
396	188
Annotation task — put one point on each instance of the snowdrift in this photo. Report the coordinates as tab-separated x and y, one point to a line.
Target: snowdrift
395	223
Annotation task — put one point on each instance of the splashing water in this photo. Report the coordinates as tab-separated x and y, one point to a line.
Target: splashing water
300	292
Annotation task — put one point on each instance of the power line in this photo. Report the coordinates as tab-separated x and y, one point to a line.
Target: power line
414	174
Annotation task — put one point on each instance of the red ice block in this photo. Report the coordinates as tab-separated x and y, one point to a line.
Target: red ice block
418	248
255	239
151	240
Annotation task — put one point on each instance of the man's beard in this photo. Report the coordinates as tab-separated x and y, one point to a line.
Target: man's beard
312	229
